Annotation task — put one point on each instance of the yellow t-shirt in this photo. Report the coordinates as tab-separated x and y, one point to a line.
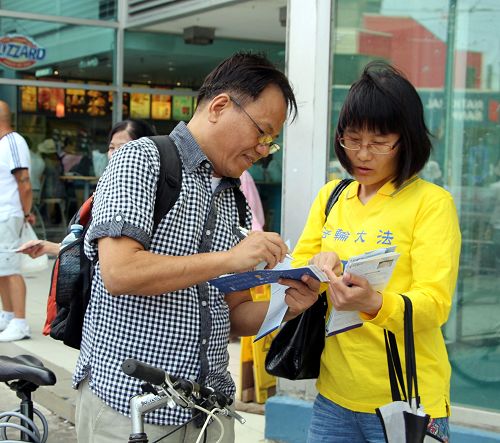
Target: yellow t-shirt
420	219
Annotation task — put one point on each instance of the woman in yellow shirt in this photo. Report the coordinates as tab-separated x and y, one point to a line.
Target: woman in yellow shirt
383	142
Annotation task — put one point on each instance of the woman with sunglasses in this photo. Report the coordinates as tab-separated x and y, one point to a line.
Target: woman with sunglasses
383	142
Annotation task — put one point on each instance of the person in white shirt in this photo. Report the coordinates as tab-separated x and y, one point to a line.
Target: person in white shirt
15	207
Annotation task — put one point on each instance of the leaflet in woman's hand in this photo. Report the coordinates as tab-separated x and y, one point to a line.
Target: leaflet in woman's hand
377	267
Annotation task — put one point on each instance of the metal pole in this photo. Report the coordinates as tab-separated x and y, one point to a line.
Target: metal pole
119	64
448	96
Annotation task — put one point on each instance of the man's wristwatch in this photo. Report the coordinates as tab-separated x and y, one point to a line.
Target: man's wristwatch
27	215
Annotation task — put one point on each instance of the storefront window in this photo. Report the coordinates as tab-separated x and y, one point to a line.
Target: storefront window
58	81
55	51
88	9
449	51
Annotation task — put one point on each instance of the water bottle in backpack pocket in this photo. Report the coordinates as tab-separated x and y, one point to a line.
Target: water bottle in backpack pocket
70	283
76	231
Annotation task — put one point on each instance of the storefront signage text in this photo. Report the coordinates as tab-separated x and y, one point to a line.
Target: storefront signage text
467	109
20	52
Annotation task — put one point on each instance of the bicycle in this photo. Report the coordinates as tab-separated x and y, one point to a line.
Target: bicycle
162	389
24	374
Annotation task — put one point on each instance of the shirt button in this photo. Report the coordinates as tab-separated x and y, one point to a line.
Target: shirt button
204	303
204	341
208	233
118	218
207	165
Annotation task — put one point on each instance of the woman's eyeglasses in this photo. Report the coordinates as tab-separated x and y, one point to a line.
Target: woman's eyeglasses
374	148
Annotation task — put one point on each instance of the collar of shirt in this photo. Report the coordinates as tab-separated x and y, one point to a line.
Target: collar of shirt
388	188
192	155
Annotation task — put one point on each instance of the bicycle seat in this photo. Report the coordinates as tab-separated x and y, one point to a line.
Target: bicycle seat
26	368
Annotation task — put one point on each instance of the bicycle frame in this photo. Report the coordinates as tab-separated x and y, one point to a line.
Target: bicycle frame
142	404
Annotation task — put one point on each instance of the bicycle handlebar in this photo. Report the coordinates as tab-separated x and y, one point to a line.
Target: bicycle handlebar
143	371
158	377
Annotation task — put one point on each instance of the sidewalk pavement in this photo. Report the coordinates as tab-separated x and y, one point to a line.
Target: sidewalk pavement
60	399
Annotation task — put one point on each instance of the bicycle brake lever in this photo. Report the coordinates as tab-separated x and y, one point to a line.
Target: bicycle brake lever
235	415
148	388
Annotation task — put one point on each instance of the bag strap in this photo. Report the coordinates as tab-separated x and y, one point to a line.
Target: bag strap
334	196
85	211
170	179
410	356
394	366
241	204
170	182
394	363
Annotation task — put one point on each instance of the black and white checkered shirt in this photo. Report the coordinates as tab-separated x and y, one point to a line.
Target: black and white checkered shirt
184	332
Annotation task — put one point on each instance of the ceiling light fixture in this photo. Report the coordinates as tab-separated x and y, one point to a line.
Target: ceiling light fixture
199	35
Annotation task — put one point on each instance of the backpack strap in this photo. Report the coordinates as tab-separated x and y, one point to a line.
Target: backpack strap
170	180
334	196
85	211
241	204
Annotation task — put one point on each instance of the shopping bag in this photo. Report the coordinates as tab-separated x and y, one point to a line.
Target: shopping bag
31	265
404	419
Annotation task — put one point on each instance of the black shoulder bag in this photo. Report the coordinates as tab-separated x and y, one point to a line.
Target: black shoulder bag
296	351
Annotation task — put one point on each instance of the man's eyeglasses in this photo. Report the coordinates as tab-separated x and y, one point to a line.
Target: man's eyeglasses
264	139
374	148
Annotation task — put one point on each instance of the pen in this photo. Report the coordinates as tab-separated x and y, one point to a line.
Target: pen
245	233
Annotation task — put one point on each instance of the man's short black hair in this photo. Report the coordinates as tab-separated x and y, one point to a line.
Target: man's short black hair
246	75
383	100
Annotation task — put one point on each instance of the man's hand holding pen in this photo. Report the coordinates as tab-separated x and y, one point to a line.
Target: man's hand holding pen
257	247
245	233
268	247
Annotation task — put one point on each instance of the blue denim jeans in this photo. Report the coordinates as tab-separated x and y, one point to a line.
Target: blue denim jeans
332	423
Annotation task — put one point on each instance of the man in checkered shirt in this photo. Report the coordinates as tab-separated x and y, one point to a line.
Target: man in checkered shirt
150	297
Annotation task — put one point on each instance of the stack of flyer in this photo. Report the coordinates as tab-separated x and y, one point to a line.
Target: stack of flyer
377	267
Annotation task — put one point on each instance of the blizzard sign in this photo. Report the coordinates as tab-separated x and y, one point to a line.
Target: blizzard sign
19	51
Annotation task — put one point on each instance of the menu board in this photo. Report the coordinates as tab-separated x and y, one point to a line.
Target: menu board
161	107
97	103
140	104
182	107
75	100
28	98
48	98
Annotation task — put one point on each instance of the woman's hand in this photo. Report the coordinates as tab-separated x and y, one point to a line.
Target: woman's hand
353	293
329	260
36	248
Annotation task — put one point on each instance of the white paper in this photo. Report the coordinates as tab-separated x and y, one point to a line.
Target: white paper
276	311
377	267
277	306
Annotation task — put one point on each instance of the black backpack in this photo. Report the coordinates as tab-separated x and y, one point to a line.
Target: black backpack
71	280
